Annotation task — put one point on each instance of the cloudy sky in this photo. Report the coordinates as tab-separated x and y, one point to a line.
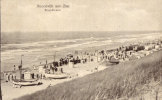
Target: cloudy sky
83	15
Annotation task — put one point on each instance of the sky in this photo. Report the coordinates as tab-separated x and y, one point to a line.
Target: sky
82	15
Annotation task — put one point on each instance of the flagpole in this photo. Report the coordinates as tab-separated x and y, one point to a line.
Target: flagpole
21	67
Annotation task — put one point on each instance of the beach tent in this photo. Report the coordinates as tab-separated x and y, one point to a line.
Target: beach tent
28	75
71	64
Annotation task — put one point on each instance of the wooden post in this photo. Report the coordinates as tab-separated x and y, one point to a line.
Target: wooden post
54	56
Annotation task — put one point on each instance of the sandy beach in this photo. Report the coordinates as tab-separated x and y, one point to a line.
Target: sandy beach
40	51
45	50
79	70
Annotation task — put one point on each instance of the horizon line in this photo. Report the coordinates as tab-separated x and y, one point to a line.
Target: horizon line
82	31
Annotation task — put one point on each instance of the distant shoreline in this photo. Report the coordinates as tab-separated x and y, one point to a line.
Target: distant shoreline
28	37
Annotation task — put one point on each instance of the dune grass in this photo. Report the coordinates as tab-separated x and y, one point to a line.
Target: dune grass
123	80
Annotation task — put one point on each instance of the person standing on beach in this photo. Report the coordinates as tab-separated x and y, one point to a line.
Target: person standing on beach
14	67
96	68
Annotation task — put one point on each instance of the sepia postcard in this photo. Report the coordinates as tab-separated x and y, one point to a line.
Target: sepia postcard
81	50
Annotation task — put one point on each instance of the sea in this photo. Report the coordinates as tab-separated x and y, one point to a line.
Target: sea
35	48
